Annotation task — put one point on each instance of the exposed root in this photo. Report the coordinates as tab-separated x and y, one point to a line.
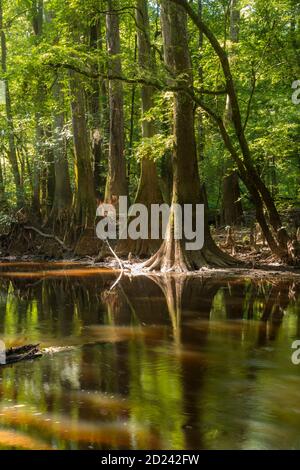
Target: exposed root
173	257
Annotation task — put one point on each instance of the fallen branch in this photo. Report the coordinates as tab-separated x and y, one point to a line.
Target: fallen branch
22	353
48	235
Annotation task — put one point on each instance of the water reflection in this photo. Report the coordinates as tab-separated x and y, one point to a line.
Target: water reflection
157	362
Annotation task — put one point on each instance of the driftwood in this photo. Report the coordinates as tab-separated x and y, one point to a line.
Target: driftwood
30	351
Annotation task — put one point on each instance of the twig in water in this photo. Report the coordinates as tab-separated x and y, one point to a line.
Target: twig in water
119	262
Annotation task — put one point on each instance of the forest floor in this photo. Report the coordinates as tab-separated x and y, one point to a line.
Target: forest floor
25	245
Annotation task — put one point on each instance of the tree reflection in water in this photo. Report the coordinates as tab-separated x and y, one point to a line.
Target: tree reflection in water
157	362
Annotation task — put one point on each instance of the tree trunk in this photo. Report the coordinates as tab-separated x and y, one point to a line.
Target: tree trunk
148	191
9	116
276	235
295	25
37	24
166	177
172	255
59	194
2	187
232	211
116	184
49	175
200	123
84	201
36	177
62	191
97	96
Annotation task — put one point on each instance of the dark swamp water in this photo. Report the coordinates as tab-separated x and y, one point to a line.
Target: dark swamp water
168	363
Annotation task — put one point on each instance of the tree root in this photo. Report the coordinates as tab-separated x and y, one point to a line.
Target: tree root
173	257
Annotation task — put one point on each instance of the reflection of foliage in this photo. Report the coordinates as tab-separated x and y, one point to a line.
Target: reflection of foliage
222	372
157	375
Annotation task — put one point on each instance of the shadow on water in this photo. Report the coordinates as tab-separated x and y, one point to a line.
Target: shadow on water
157	362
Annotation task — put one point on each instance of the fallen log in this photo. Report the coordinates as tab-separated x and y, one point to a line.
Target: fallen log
22	353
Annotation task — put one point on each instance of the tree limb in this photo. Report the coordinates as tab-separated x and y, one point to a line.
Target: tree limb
48	235
131	81
250	99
